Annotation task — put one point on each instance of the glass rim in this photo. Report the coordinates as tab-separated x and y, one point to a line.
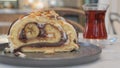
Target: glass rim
95	4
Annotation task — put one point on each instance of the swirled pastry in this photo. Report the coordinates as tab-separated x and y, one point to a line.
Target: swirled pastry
42	31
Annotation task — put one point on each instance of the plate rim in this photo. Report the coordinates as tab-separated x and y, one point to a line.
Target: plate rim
10	58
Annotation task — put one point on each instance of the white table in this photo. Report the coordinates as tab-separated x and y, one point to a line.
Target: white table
110	58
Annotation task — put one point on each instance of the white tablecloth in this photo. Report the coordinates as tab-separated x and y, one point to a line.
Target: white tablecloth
110	58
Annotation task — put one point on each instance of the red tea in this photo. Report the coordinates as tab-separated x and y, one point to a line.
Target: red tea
95	25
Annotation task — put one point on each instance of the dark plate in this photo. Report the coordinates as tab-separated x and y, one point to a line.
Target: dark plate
86	54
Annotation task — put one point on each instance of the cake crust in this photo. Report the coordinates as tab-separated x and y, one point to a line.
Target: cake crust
29	30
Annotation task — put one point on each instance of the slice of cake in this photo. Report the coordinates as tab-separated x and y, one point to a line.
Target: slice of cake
42	31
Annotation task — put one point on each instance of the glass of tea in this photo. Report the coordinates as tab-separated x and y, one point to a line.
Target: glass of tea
95	21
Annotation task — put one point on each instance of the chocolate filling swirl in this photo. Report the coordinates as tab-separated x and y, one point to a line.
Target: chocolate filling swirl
42	34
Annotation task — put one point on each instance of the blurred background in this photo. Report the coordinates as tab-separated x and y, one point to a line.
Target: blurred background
10	10
38	4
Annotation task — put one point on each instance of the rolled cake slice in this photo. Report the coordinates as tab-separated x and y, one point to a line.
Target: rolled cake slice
42	31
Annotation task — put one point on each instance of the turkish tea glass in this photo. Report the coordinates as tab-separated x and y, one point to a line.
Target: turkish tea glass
95	28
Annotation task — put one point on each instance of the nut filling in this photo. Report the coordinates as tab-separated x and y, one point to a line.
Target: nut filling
37	31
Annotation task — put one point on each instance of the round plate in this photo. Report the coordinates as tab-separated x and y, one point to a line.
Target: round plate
86	54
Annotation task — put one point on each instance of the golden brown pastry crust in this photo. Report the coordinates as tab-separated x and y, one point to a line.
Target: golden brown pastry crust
43	17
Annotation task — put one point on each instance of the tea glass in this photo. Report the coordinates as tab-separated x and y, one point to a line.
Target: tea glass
95	28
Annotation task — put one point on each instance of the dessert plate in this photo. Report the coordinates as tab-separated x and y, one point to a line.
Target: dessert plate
86	54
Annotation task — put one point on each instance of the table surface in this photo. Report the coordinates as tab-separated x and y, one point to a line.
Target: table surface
110	57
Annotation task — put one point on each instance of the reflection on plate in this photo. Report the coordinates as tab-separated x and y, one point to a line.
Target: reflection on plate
86	54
